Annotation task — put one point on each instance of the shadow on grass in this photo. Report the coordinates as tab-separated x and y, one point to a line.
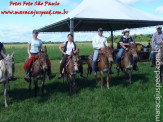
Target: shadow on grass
55	87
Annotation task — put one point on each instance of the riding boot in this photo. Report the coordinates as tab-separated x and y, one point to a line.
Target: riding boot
135	67
61	69
13	78
27	78
51	76
118	67
153	64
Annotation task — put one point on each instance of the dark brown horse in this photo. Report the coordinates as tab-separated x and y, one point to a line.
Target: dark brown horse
127	61
103	65
38	70
70	70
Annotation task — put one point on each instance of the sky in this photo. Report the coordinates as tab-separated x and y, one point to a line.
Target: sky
18	28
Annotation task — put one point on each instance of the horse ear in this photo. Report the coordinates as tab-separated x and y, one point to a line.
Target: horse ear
4	56
13	53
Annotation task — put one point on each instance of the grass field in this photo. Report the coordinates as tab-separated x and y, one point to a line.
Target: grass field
121	103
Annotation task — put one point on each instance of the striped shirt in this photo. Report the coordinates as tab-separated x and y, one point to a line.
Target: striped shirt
157	38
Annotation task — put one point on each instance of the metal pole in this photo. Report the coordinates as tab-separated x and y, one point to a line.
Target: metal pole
112	45
72	27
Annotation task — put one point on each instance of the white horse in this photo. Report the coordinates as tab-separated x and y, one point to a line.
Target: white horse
6	72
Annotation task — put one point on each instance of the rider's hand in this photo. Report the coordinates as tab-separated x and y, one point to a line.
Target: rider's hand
29	55
64	53
102	48
126	49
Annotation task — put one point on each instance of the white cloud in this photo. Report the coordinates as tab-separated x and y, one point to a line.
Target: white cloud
159	10
135	1
149	1
128	1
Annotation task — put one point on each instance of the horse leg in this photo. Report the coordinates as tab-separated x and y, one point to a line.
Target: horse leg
87	71
5	91
74	83
126	76
36	86
130	77
42	87
9	88
70	83
108	78
30	84
101	74
63	78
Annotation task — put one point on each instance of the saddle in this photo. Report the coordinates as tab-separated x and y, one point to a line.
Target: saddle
28	64
91	57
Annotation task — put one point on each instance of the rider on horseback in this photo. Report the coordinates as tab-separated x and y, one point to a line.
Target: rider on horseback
157	39
124	42
68	46
98	44
34	47
2	48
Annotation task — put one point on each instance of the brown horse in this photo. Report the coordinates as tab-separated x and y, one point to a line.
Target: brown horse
71	70
103	65
38	70
127	61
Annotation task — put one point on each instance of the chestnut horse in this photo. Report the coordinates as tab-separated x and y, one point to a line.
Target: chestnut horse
38	70
71	70
127	61
103	65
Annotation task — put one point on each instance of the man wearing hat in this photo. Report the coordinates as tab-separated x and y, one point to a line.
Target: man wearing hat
157	39
124	43
98	44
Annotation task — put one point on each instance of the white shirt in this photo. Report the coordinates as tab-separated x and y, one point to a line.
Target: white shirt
35	45
99	41
70	47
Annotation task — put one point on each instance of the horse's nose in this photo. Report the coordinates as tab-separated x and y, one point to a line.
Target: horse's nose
110	60
45	68
135	57
76	69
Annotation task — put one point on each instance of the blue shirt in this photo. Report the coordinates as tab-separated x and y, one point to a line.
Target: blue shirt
35	45
1	46
126	40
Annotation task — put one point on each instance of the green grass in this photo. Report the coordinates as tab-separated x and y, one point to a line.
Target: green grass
121	103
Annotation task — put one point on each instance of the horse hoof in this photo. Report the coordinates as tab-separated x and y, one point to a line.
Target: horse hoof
6	105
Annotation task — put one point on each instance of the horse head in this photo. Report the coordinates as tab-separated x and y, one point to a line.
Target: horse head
9	63
108	52
75	59
43	59
133	51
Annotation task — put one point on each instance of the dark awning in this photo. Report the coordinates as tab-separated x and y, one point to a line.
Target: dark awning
85	24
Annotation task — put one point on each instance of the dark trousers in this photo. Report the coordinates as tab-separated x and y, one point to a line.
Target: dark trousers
64	59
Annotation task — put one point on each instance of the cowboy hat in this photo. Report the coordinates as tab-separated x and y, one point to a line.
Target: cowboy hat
159	26
126	30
